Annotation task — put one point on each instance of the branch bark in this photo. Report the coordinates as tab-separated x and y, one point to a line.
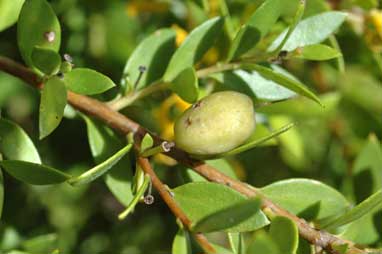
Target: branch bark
125	125
169	200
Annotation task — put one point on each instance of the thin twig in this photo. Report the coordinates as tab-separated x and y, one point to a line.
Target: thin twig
171	203
133	96
125	125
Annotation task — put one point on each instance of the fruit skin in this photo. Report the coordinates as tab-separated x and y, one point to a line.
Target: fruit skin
216	124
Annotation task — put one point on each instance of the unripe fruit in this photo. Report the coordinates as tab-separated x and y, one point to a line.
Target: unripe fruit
216	124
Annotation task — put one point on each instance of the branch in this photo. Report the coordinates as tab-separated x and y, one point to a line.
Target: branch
125	125
171	203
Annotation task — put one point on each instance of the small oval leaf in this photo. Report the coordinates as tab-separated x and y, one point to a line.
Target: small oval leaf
37	26
147	142
186	85
33	173
245	39
193	197
284	233
266	15
263	243
317	52
253	143
181	243
236	242
52	105
369	205
311	30
253	84
15	144
283	80
87	81
9	12
104	143
221	164
228	217
153	53
46	60
194	47
100	169
1	193
310	199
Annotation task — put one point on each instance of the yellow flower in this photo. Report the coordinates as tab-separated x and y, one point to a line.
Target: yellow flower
133	8
181	34
211	57
376	16
373	30
166	122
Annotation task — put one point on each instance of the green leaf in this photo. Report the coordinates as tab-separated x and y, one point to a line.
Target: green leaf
137	197
103	144
312	30
100	169
154	54
366	96
304	247
291	144
229	25
186	85
263	243
15	143
37	26
181	243
296	19
1	193
46	60
253	143
33	173
362	231
368	165
366	181
9	12
42	243
370	158
253	84
310	199
221	250
147	142
283	80
367	206
317	52
52	105
220	164
201	199
341	249
17	252
304	108
228	217
266	16
245	39
263	88
194	47
236	241
86	81
284	233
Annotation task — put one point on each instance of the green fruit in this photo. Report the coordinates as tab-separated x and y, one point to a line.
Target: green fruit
216	124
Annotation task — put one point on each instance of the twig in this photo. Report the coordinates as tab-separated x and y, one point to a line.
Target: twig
171	203
136	95
125	125
217	68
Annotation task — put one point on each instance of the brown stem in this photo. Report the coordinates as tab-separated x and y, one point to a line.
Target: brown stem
123	124
171	203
